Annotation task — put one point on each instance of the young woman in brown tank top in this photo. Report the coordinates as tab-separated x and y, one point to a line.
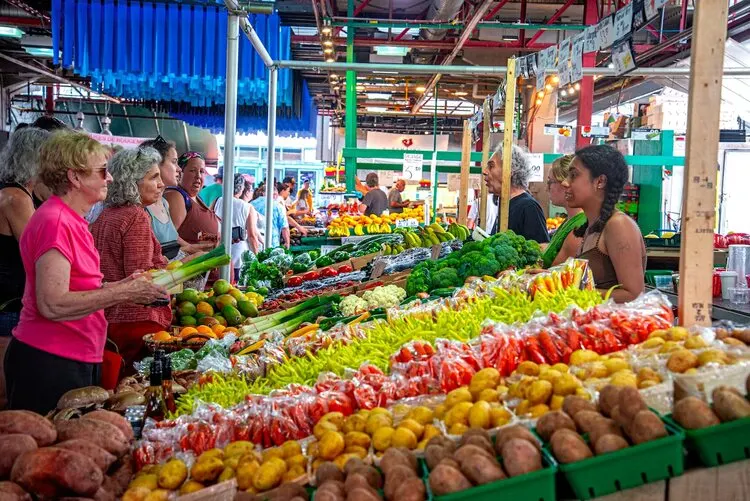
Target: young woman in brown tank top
612	242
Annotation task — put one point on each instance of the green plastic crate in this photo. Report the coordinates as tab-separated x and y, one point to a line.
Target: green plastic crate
717	445
627	468
535	486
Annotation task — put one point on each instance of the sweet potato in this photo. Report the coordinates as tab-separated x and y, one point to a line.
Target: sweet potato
105	435
609	443
433	454
603	426
553	421
585	420
471	436
481	470
569	447
373	476
515	431
328	471
395	477
646	426
114	419
728	405
479	441
29	423
12	446
412	489
630	403
520	457
445	479
396	456
573	403
693	414
117	482
609	397
102	458
52	472
11	491
467	451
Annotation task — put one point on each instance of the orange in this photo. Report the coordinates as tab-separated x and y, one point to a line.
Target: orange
162	336
187	331
204	329
204	308
218	329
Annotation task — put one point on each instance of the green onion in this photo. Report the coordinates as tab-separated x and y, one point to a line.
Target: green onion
193	268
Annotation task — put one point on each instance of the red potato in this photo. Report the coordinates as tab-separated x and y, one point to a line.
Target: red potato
52	471
112	418
105	435
520	457
12	446
10	491
102	458
29	423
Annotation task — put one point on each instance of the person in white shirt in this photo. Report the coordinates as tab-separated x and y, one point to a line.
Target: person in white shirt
284	190
245	234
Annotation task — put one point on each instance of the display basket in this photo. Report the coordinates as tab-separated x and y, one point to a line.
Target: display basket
627	468
192	342
535	486
224	491
720	444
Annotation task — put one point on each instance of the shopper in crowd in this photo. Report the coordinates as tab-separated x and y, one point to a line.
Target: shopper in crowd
50	124
245	233
195	222
612	241
395	203
19	166
564	243
473	214
309	196
210	193
279	223
375	201
248	193
301	208
525	215
59	342
127	244
284	191
292	197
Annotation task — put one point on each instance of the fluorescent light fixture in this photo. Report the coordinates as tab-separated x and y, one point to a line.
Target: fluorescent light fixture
460	93
510	38
11	32
421	88
386	72
39	51
388	50
379	95
377	109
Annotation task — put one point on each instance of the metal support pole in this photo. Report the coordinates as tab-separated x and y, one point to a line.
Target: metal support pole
351	104
586	94
230	127
273	75
433	164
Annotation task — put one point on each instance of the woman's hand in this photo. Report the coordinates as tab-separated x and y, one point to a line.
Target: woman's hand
190	257
143	290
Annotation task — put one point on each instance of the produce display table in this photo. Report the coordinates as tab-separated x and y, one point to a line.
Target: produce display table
722	309
669	258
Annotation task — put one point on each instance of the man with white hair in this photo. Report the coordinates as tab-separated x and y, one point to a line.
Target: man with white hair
525	215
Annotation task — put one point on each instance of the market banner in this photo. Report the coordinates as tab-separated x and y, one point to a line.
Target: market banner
123	141
388	141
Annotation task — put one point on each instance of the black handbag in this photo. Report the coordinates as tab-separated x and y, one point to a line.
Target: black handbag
238	234
170	249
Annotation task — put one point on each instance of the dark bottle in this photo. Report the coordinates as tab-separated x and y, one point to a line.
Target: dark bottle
166	385
155	407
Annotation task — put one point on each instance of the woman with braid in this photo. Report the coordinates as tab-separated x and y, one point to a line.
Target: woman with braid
612	242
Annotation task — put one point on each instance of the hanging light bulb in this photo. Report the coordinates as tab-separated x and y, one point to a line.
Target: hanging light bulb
548	87
563	92
328	43
330	59
328	50
538	102
571	90
540	94
555	79
577	86
326	29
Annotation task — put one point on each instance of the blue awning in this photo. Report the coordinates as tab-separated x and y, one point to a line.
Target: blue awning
166	52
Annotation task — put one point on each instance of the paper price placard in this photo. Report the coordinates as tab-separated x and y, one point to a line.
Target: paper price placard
563	62
605	32
624	21
576	58
413	166
591	42
537	167
623	57
651	7
407	223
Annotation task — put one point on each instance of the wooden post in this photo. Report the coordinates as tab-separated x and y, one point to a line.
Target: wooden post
486	139
699	191
510	99
463	190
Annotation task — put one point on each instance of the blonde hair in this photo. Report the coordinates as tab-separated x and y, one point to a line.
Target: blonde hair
65	151
561	167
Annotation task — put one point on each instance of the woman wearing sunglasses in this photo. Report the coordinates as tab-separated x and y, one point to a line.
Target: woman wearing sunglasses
564	243
127	245
58	344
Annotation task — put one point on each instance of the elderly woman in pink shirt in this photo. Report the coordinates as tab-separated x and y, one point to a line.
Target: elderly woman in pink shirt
58	344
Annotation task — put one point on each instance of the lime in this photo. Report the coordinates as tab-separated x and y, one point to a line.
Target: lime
190	295
186	308
188	320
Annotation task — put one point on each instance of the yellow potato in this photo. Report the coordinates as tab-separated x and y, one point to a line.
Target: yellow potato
323	426
565	384
457	396
404	437
226	474
550	375
596	370
274	452
269	474
499	416
652	342
190	486
211	453
376	421
207	470
616	364
538	410
232	462
677	333
624	378
662	333
556	402
357	438
357	451
479	415
539	392
239	448
523	408
412	425
581	392
173	474
381	439
648	383
561	368
502	390
381	410
293	474
298	460
484	379
336	418
458	414
458	429
355	422
430	431
150	481
580	357
440	411
157	495
682	360
488	395
670	346
331	444
528	368
713	356
291	448
695	342
422	415
648	374
342	460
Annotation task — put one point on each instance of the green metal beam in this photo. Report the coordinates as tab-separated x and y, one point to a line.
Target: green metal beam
350	140
454	26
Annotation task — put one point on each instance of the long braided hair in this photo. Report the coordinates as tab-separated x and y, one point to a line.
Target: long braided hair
602	160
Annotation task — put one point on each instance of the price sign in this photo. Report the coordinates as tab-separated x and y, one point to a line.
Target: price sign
522	67
639	19
546	62
651	7
591	42
589	131
623	57
537	167
558	130
645	134
407	223
413	166
624	21
563	62
605	32
576	58
531	64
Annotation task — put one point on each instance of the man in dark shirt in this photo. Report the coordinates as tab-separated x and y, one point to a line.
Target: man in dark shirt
525	215
375	201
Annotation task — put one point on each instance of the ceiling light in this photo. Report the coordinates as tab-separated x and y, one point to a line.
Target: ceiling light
571	90
39	51
563	92
611	65
330	59
577	86
460	93
11	32
360	88
538	102
421	88
388	50
555	79
334	76
510	38
326	30
328	50
328	43
378	95
377	109
540	94
548	87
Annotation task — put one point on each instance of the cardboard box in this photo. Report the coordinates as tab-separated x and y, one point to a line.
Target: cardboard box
361	262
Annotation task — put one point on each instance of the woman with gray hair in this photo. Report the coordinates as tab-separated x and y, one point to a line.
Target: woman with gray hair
127	244
525	215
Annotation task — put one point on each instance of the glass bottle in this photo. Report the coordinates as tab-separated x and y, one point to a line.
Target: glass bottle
166	385
155	407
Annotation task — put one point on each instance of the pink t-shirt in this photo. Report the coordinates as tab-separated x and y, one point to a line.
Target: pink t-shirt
56	226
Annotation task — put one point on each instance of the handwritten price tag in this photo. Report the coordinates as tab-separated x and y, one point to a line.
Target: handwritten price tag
624	21
563	62
407	223
605	32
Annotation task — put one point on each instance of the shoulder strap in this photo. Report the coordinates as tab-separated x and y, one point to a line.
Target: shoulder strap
185	196
16	185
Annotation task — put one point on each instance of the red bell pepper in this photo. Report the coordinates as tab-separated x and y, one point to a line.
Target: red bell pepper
310	275
345	269
328	272
295	281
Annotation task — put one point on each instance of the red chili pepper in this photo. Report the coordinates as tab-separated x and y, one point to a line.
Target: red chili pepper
550	349
328	272
310	275
345	269
295	281
533	351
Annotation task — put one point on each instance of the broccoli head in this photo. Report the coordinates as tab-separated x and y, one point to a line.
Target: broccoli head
477	264
506	256
447	277
418	281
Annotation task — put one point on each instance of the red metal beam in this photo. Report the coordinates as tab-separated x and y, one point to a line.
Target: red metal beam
522	33
683	15
497	8
586	92
554	18
361	7
32	22
401	35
